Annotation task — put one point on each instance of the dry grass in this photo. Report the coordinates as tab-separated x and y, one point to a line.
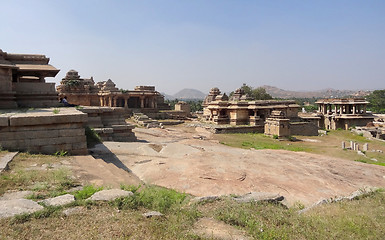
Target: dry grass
26	173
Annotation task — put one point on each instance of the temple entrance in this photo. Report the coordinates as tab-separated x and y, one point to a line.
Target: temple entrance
134	102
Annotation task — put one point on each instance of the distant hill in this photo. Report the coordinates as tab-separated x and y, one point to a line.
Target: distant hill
325	93
186	93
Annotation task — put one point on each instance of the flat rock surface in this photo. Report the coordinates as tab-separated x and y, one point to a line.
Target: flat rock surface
59	200
207	168
96	171
4	160
111	194
9	208
73	210
15	195
213	229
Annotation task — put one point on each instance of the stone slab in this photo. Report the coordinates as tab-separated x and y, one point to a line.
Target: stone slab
4	121
30	118
60	200
9	208
15	195
5	160
111	194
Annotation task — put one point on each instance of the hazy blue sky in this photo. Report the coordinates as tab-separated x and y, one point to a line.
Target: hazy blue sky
295	45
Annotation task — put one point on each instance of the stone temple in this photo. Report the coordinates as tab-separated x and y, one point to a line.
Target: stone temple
22	81
86	92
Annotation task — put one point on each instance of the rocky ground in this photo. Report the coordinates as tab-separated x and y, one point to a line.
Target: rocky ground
192	161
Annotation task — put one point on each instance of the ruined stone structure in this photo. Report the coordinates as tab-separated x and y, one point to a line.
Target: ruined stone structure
109	123
277	124
43	131
85	92
343	113
22	81
217	108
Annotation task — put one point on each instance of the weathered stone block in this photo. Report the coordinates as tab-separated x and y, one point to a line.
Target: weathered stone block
71	132
4	121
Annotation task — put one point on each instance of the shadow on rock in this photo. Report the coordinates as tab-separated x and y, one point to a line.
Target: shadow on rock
102	152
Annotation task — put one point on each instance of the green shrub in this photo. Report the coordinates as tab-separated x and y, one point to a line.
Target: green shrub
92	137
86	192
152	197
131	188
275	136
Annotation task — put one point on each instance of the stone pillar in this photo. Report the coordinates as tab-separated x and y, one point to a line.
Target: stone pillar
364	111
141	102
354	109
352	145
126	102
365	147
343	145
335	109
110	101
114	103
101	101
341	109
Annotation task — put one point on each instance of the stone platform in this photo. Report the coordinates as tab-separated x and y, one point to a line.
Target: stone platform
47	131
110	123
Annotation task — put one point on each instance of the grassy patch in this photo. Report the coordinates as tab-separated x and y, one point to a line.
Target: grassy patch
92	137
362	218
44	181
329	145
154	198
86	192
259	141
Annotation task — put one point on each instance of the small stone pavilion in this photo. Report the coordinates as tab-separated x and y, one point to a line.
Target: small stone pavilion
22	81
240	110
343	113
85	92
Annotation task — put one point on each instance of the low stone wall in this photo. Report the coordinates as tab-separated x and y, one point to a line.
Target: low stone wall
303	129
109	123
238	129
44	131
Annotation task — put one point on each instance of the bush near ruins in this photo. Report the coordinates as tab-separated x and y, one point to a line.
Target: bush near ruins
377	101
92	137
255	93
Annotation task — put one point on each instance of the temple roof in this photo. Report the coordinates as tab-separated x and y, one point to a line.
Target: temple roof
36	67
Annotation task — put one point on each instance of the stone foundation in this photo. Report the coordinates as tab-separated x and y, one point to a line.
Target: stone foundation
44	131
109	123
303	129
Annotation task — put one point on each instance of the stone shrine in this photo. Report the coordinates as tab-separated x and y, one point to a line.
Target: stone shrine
22	81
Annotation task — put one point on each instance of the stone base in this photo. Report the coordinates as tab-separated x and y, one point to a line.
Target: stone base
44	131
7	101
109	123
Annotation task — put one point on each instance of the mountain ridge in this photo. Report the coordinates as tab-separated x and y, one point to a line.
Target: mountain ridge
189	93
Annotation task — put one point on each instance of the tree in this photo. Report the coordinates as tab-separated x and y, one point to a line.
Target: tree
255	93
377	101
260	94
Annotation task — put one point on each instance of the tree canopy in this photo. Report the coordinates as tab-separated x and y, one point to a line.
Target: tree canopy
377	101
258	93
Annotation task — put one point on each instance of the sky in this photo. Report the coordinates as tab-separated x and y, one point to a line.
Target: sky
200	44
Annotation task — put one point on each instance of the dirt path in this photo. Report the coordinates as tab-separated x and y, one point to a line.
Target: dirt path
178	158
